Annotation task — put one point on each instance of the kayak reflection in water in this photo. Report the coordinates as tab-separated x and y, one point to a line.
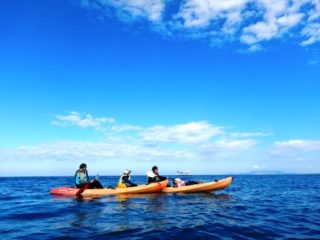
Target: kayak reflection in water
124	180
82	178
178	182
154	176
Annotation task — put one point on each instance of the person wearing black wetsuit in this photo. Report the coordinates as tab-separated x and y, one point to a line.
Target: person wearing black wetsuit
155	177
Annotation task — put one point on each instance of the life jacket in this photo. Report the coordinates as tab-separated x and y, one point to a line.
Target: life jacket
81	177
121	183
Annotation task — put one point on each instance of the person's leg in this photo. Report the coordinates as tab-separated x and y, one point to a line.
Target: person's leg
191	183
131	184
96	184
81	188
162	178
83	185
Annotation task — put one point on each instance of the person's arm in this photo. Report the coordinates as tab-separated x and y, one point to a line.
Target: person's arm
162	178
87	174
130	183
76	178
125	179
150	180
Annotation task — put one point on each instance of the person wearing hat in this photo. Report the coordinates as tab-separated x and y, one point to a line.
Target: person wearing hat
154	176
82	178
124	180
178	182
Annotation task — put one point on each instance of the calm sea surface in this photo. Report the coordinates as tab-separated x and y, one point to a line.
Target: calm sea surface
253	207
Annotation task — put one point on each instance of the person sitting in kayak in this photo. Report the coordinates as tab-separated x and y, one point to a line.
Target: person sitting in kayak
82	178
177	182
154	176
124	180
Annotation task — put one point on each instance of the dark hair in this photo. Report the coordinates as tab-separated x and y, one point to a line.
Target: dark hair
154	168
83	165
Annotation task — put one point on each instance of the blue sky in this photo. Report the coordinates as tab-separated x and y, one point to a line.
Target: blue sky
212	87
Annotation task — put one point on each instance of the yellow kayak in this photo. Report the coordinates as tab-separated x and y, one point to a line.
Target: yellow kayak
201	187
150	188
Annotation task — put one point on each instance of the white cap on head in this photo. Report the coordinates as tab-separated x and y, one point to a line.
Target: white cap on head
177	179
127	171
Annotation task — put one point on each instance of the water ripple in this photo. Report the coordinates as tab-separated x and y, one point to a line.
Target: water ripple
253	207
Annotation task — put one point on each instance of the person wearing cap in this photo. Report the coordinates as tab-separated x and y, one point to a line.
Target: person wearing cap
154	176
82	178
124	180
178	182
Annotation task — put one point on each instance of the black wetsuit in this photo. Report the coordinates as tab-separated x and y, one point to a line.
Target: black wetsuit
126	181
155	179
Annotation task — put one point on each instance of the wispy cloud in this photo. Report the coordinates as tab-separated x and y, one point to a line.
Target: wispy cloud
230	146
297	145
305	152
125	128
250	22
193	132
197	143
187	141
77	119
151	10
250	134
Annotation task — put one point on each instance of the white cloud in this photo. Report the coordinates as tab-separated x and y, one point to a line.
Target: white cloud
229	145
250	134
235	151
188	141
149	9
200	13
279	16
250	22
88	150
62	157
186	133
188	144
312	32
112	154
297	146
193	132
125	128
298	154
76	119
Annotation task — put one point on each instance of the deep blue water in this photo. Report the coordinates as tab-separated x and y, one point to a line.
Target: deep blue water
253	207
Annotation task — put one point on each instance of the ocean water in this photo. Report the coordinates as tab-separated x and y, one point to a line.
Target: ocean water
253	207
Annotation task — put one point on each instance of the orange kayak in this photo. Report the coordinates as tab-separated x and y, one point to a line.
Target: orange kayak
150	188
201	187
